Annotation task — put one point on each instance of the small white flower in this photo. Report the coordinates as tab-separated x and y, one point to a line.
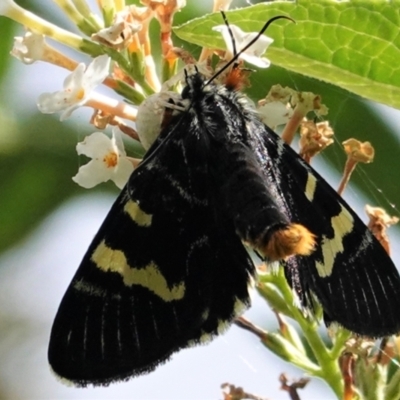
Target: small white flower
29	48
274	113
109	161
253	54
77	88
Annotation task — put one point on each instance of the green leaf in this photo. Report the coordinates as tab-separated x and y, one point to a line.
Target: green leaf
354	45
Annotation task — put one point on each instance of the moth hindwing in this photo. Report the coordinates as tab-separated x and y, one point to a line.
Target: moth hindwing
168	268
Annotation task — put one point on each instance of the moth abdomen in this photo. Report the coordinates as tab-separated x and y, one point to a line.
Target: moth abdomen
287	241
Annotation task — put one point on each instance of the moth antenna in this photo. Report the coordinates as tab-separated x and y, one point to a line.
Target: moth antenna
237	55
230	33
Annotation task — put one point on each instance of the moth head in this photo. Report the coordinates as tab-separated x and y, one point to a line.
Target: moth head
194	83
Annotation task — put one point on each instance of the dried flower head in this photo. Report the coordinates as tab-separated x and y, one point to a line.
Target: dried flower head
379	221
356	152
359	151
303	103
120	34
314	138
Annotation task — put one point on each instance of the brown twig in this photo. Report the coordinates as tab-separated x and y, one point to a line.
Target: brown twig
244	323
293	387
231	392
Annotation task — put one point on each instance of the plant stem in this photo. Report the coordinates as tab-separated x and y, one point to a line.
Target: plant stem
327	360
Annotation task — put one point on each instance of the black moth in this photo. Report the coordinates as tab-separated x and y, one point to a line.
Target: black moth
168	268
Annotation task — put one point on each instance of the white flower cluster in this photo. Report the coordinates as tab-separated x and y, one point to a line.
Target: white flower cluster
125	32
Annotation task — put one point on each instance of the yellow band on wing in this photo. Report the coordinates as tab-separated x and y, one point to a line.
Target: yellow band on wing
342	225
150	277
137	214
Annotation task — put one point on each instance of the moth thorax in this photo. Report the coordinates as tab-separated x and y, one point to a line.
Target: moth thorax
290	240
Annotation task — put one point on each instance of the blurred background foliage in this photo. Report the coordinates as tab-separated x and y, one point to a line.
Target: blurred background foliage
38	157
